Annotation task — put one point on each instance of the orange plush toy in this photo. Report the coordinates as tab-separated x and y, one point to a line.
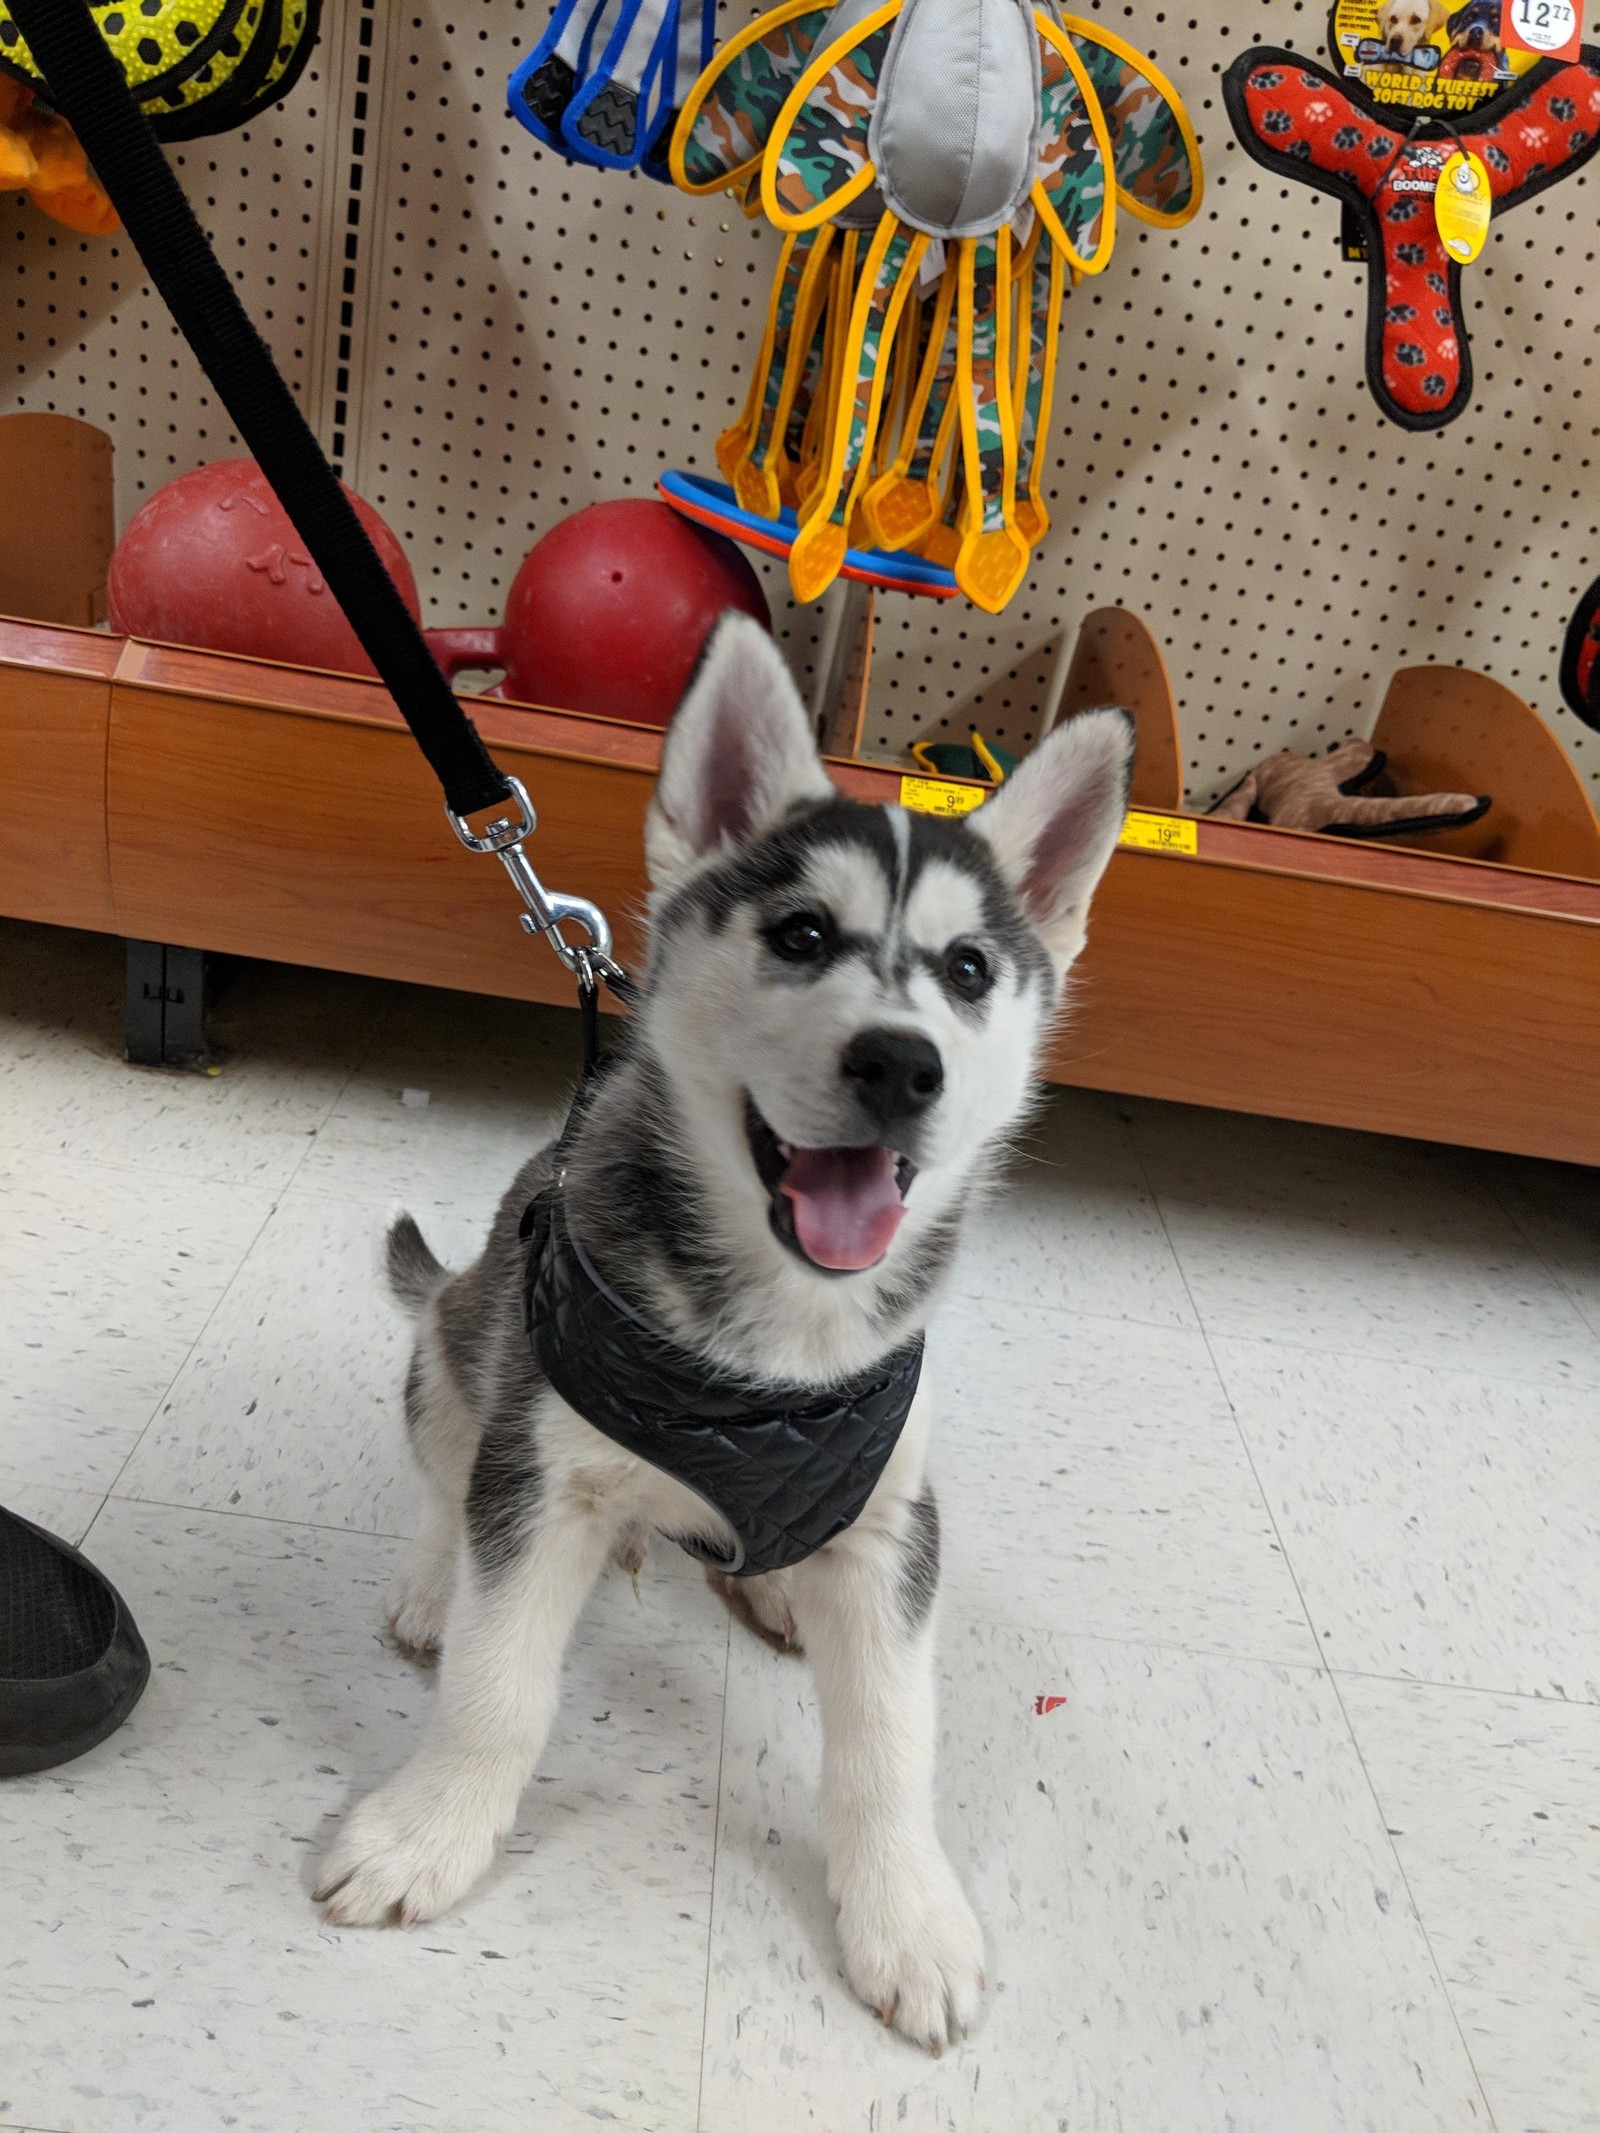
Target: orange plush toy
39	154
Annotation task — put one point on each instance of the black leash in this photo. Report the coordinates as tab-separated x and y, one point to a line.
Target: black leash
88	89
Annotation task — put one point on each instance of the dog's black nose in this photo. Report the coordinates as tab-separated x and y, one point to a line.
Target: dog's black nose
897	1075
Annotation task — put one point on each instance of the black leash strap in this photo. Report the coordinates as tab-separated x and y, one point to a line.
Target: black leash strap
88	89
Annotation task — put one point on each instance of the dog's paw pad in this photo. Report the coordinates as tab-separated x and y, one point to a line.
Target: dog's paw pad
917	1962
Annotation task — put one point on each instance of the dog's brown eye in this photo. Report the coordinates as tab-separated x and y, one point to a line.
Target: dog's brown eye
967	970
804	937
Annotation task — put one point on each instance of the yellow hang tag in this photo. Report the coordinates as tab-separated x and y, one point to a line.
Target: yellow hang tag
1462	204
935	796
1160	833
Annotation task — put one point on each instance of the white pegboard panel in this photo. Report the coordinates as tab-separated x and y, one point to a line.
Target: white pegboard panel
543	335
515	337
540	335
91	338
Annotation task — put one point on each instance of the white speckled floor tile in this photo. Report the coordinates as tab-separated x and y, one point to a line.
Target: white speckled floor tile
1352	1241
286	1040
441	1135
1442	1526
1073	1228
1195	1919
1495	1802
107	1279
1557	1208
163	1966
1092	1479
291	1407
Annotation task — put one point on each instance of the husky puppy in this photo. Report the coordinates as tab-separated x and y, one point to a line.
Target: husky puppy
844	1009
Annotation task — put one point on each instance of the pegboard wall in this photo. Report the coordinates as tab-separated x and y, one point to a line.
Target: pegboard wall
487	338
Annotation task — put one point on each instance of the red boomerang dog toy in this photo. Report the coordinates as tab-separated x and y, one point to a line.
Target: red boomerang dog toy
1299	121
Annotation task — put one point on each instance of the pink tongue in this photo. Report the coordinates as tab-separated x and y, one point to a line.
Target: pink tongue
846	1204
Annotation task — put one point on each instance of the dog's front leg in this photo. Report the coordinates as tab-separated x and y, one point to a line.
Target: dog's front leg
912	1948
414	1847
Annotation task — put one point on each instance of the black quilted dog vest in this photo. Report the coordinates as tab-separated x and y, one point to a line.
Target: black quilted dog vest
788	1466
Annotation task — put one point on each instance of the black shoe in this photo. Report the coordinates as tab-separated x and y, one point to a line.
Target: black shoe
72	1663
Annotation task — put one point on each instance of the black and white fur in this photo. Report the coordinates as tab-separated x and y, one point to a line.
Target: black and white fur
525	1502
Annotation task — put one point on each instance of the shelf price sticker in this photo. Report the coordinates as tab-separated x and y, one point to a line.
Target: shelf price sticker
1552	28
936	796
1160	833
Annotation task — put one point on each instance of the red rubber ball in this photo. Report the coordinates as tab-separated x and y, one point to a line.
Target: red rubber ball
212	560
610	608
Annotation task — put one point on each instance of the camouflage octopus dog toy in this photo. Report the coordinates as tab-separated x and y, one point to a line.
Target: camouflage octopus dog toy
938	171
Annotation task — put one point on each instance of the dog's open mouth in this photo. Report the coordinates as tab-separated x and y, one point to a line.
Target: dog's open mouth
839	1208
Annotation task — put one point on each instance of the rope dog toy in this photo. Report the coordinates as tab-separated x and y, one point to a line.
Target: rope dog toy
1298	121
939	174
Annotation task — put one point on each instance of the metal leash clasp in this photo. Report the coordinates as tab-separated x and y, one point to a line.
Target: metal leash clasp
548	910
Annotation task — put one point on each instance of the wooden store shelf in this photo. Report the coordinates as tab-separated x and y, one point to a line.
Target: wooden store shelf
211	802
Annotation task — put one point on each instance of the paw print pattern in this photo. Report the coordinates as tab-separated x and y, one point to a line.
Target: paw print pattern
1290	116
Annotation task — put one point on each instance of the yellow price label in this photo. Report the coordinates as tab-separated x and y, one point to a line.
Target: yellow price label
934	796
1160	833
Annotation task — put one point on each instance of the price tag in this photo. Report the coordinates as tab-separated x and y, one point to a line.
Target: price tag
1462	204
1161	833
1551	28
933	796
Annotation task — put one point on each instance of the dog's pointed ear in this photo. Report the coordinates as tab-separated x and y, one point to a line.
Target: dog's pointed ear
738	754
1054	823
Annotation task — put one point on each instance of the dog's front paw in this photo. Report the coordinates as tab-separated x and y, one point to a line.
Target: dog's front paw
419	1600
406	1854
914	1951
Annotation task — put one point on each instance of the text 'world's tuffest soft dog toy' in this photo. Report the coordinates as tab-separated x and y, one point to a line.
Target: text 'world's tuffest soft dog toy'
605	82
938	171
1403	179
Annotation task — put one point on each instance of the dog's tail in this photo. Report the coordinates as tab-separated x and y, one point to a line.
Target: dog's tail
415	1276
